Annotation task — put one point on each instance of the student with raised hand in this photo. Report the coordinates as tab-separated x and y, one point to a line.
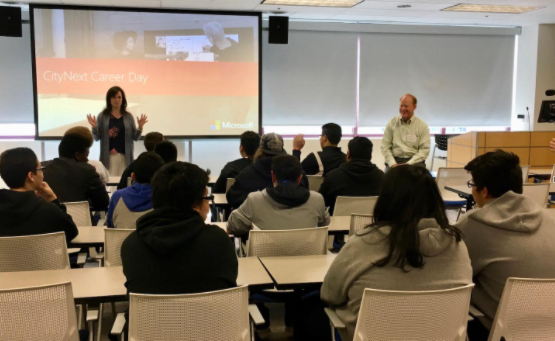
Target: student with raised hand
410	246
29	206
150	141
508	235
258	176
249	144
173	251
72	178
357	177
285	206
331	156
129	204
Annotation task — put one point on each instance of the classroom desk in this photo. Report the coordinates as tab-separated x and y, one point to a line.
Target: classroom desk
90	285
338	225
220	199
89	236
212	180
97	285
298	272
464	192
114	181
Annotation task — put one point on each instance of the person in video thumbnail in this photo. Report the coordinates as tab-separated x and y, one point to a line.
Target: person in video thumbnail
125	43
116	130
224	49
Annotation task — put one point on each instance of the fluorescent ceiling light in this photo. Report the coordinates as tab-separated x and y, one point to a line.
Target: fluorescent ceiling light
313	3
491	8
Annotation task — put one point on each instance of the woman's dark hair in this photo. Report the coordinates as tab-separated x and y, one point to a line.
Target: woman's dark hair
179	185
120	39
112	92
409	194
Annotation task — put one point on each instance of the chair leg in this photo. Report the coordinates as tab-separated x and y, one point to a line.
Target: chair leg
433	157
99	323
458	215
114	312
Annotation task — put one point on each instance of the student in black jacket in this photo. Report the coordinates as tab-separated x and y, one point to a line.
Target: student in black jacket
331	156
173	251
258	176
358	177
29	206
249	144
151	140
72	178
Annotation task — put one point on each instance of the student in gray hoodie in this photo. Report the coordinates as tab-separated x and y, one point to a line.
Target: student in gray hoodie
410	246
509	235
285	206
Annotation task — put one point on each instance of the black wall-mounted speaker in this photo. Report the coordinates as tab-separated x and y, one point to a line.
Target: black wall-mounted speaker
10	21
279	30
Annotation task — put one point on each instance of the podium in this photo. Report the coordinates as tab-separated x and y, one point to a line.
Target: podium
531	147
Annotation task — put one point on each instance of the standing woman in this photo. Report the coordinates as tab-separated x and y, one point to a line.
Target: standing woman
116	130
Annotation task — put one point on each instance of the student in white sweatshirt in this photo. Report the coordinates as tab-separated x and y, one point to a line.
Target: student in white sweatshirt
509	235
410	246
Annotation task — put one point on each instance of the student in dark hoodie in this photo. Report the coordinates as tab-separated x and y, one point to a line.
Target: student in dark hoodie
285	206
72	178
173	251
358	177
331	156
151	140
508	235
29	206
129	204
249	144
258	176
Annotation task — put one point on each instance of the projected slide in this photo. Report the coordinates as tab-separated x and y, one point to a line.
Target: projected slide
192	74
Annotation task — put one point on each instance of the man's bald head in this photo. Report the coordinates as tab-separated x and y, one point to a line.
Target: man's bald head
407	105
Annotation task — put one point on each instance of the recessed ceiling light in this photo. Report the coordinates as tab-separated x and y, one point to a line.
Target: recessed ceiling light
313	3
491	8
404	6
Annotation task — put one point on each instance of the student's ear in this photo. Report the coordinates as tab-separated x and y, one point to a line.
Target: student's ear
133	177
241	149
274	180
299	179
348	155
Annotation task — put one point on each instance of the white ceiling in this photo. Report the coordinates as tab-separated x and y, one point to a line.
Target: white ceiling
385	11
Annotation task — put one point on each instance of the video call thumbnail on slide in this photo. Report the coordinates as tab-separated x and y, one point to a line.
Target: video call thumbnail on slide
186	71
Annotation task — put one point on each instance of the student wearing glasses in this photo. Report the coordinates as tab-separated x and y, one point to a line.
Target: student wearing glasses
173	251
29	206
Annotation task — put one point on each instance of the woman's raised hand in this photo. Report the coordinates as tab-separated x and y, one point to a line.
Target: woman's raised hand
141	121
92	120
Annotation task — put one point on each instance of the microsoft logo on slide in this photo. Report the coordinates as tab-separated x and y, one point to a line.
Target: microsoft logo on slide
215	125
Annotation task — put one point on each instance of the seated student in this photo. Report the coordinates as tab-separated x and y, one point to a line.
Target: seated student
151	140
357	177
167	150
285	206
410	246
99	166
72	178
509	235
129	204
29	206
331	156
258	176
249	144
173	251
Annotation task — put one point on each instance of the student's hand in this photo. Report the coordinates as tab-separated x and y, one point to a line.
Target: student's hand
398	164
141	121
298	142
92	120
552	145
46	192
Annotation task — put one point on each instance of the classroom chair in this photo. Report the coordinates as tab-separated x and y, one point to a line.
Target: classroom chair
537	192
525	171
314	182
35	252
216	315
38	313
345	206
410	315
229	183
359	222
274	243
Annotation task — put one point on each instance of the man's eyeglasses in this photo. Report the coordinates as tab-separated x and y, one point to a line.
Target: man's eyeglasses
209	198
41	169
470	184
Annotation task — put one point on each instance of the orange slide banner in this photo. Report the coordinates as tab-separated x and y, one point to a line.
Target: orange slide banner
146	77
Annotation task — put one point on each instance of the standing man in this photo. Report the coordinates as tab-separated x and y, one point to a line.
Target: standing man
406	138
331	156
